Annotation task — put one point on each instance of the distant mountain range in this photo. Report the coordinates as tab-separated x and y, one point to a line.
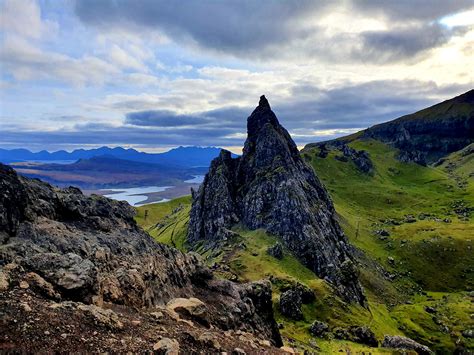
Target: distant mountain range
182	156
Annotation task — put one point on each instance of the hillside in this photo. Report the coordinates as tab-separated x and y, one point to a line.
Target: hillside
412	227
406	219
427	135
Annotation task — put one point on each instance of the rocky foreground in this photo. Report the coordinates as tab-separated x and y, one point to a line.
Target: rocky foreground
77	274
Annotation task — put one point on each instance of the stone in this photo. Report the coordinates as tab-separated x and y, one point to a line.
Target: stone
24	285
363	335
431	310
238	351
4	281
189	307
42	286
341	333
166	346
400	342
209	341
157	315
271	187
290	305
319	328
288	350
468	333
276	251
26	307
103	317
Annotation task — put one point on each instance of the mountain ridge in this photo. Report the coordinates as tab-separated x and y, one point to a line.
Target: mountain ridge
191	156
425	136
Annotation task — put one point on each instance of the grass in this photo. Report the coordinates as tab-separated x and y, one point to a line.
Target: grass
166	222
428	250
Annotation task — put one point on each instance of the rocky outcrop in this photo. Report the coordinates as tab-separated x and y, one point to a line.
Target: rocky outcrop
89	250
290	304
276	251
271	187
360	158
319	328
399	342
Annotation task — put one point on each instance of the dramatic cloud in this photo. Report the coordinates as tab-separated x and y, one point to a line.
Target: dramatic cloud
163	73
284	29
222	25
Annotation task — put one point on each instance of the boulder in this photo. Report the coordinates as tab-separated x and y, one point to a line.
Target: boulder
400	342
318	328
189	308
276	251
166	346
363	335
103	317
290	304
42	286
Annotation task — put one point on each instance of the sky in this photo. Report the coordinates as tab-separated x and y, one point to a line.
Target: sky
156	74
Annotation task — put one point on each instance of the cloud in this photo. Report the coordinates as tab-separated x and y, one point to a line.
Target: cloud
403	42
286	30
27	62
310	114
235	25
162	118
24	18
412	10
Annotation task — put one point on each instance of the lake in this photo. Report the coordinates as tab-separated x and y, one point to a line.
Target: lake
135	195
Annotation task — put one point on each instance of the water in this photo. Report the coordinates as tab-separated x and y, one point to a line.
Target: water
135	195
197	179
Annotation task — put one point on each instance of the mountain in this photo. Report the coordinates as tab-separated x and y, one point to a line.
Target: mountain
410	227
77	274
271	187
108	171
427	135
182	156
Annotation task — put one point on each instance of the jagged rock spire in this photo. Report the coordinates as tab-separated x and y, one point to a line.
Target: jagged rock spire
271	187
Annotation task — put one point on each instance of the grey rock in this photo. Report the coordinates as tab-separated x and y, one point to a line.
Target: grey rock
271	187
318	328
166	346
468	333
90	250
400	342
290	304
104	317
276	251
364	335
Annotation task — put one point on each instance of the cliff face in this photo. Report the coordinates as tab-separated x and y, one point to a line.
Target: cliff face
89	250
271	187
429	134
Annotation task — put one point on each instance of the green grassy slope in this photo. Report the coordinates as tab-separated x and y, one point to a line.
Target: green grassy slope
427	254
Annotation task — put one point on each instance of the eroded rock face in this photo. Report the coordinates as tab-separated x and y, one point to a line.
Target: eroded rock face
270	187
90	250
